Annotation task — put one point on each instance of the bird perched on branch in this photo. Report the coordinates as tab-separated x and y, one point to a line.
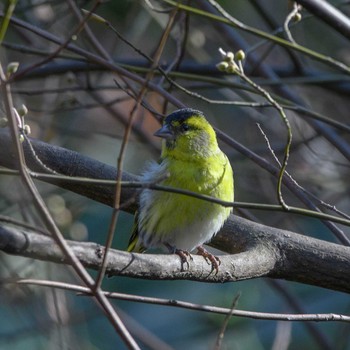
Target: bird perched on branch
191	160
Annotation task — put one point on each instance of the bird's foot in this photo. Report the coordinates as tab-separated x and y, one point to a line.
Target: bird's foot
210	259
183	254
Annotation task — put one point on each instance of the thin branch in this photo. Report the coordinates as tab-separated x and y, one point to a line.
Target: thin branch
91	58
221	334
228	19
49	222
10	8
284	118
95	180
295	11
116	206
191	306
296	190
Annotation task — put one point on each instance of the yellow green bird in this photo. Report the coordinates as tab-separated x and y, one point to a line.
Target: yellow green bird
191	160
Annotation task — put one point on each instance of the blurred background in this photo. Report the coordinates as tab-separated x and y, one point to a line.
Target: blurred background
81	104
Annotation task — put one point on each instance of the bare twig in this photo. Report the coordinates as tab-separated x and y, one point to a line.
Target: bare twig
292	15
221	334
127	132
49	222
191	306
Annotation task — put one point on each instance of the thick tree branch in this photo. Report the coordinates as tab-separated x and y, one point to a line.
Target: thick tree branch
256	250
265	252
253	263
69	163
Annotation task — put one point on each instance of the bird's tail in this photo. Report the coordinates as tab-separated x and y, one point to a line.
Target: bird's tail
134	244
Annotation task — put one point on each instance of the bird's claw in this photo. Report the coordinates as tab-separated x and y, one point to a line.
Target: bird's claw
184	255
210	259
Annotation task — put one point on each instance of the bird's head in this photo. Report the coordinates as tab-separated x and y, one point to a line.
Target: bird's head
187	135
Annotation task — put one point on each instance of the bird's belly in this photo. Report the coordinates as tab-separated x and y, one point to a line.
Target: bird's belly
178	221
195	234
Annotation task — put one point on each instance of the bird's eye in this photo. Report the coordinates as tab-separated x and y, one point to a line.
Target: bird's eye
185	127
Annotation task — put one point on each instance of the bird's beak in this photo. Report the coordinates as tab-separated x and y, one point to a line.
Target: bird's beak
165	132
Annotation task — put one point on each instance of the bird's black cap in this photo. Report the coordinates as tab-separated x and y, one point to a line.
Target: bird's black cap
181	115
